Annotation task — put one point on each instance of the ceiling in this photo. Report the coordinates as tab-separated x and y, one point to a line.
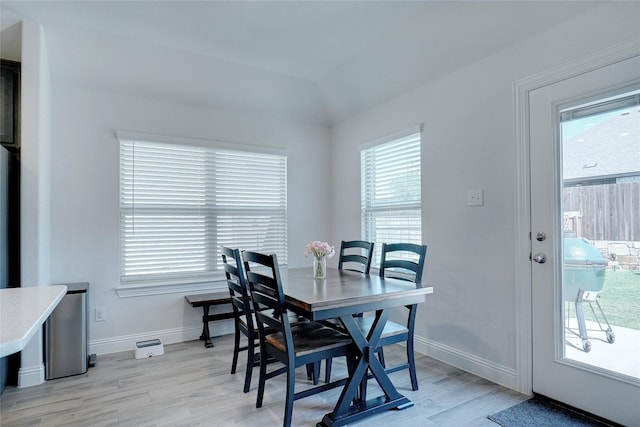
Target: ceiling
315	61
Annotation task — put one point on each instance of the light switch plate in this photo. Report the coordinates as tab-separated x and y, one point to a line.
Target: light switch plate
475	197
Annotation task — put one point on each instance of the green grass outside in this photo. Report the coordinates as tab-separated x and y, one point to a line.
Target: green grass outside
620	299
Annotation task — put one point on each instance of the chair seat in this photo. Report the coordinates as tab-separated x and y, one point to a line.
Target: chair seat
309	337
391	329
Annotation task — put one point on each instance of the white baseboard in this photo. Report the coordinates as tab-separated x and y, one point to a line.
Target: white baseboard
467	362
167	336
31	376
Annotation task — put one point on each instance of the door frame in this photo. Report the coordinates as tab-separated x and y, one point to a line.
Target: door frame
523	265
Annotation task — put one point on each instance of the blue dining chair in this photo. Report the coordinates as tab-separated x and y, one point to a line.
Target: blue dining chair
355	255
403	261
244	320
293	345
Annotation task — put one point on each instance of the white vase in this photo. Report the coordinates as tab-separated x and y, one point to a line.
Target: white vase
319	267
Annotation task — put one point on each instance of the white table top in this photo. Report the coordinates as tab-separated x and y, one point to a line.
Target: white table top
23	311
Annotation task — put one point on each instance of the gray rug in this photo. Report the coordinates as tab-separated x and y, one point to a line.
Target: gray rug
542	412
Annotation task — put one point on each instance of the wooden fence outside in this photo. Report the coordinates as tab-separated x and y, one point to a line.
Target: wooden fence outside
606	212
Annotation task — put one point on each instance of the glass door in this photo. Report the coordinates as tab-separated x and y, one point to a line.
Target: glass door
601	227
585	207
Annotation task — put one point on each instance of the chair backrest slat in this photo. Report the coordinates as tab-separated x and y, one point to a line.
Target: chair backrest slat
356	251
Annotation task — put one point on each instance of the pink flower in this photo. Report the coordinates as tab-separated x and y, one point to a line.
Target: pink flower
319	249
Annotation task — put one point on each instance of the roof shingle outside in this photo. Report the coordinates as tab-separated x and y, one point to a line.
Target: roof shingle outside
609	149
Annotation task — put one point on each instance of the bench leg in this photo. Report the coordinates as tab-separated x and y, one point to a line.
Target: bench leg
206	337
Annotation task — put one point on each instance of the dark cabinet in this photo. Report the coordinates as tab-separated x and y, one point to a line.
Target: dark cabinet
10	105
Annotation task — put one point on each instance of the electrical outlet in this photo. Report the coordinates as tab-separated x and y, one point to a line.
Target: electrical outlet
475	198
101	314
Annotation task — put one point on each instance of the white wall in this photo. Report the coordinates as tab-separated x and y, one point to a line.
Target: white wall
468	143
4	195
85	200
35	189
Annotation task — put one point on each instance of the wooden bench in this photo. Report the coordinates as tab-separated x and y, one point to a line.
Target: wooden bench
205	301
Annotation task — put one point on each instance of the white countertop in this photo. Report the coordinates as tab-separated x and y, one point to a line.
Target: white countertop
23	311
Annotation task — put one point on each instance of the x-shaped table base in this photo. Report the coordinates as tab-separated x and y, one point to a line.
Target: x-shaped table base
352	404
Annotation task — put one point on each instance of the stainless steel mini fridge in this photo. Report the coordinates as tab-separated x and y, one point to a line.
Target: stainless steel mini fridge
65	334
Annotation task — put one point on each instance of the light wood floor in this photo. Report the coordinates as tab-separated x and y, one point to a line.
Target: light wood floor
190	385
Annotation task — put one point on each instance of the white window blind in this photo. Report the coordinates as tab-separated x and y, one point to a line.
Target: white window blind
180	203
391	193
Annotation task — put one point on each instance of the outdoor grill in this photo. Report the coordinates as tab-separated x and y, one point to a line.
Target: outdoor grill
584	273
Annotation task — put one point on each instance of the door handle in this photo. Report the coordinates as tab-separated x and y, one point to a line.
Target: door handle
540	258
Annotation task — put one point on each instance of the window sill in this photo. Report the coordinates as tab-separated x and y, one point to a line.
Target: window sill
139	290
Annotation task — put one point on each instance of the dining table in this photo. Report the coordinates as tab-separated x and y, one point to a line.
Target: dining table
341	295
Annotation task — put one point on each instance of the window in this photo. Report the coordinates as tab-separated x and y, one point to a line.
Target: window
179	203
391	192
